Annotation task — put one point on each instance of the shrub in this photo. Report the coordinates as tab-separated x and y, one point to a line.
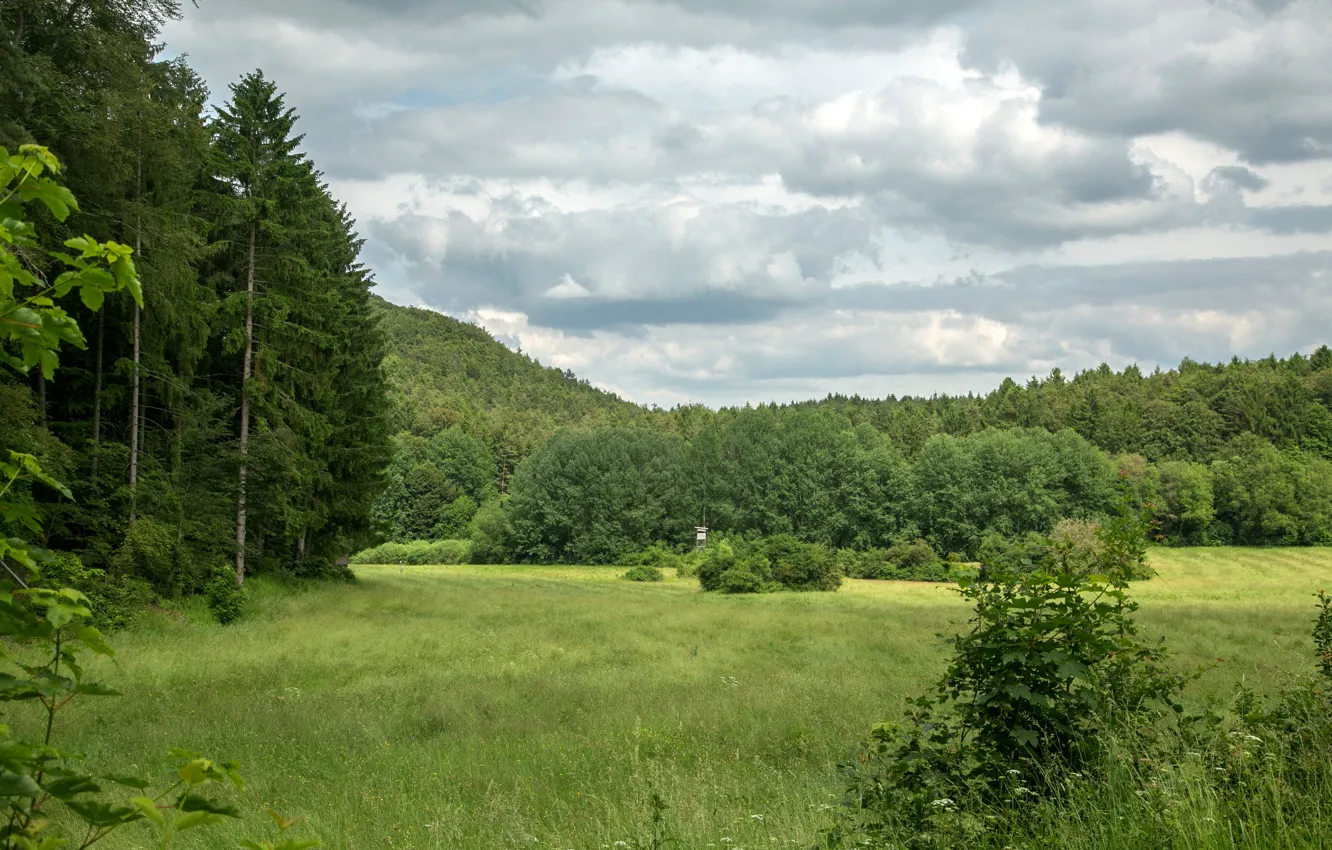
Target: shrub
717	559
656	555
115	601
801	566
643	572
742	578
1052	663
781	562
915	561
147	553
688	564
226	598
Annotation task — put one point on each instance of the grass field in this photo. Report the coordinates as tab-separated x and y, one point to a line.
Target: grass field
459	707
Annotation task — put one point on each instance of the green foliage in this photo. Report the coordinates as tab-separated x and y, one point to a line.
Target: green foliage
147	552
489	534
780	562
417	552
591	497
29	317
115	601
914	561
1184	502
225	598
48	634
1051	664
1322	635
656	555
434	486
643	572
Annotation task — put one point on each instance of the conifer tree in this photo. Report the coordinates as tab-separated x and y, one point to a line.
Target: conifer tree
259	174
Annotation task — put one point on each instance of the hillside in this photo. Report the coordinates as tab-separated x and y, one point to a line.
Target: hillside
444	372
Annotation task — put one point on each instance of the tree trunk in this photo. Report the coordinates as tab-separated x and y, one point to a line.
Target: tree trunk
97	393
134	417
245	413
134	375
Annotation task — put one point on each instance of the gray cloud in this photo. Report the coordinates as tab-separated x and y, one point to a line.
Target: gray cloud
684	199
1251	78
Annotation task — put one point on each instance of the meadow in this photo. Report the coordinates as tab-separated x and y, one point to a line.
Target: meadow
483	706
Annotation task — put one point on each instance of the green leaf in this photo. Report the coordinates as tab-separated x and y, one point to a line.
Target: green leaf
93	639
193	773
1026	736
93	689
98	814
127	781
18	785
92	297
68	787
149	809
189	820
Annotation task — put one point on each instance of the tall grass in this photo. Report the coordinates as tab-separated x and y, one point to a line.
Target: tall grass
480	707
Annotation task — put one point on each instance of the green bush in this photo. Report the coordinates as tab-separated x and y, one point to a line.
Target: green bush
115	601
717	559
225	598
915	561
417	553
656	555
642	572
741	578
147	552
780	562
1051	666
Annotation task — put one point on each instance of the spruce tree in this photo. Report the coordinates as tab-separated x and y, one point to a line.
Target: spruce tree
258	171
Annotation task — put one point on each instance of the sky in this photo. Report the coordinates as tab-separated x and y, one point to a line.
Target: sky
724	202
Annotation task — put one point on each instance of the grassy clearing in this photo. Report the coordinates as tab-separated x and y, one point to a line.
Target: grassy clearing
539	706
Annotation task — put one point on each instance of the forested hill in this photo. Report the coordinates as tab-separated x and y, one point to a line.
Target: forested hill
444	372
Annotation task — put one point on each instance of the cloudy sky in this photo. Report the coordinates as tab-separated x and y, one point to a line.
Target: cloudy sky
745	200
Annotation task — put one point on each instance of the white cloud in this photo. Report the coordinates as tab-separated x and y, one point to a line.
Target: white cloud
679	199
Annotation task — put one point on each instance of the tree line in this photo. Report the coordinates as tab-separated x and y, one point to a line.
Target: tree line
236	420
1227	454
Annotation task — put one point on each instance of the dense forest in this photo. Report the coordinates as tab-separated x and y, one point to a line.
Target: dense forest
1226	453
237	420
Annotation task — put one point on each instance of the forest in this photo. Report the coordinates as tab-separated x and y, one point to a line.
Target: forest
223	450
235	420
1219	454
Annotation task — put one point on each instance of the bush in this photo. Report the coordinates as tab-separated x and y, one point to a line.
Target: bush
800	566
781	562
643	572
742	579
417	553
656	555
914	561
225	598
115	601
1051	667
717	559
147	552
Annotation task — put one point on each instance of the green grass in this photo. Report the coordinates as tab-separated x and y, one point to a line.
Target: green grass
539	706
